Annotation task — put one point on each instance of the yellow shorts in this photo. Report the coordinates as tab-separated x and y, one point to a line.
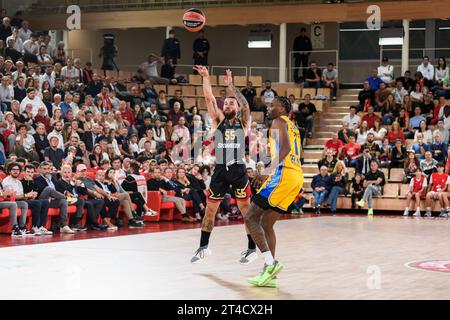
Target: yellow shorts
280	189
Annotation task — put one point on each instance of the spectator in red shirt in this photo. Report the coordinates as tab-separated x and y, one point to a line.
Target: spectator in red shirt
127	114
373	121
351	152
334	144
437	110
395	133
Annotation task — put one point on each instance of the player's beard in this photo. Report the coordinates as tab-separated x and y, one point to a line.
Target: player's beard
230	114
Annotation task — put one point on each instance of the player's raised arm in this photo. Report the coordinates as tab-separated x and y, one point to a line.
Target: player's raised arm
245	108
211	103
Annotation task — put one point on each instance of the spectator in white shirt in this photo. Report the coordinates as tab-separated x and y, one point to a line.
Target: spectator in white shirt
18	45
352	119
24	146
150	69
31	46
441	71
399	93
44	59
6	93
182	140
34	100
24	32
427	70
20	68
48	76
70	73
249	162
386	71
57	132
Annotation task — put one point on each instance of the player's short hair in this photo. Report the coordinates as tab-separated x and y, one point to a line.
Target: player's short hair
285	102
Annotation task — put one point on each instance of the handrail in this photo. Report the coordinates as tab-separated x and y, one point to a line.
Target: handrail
291	54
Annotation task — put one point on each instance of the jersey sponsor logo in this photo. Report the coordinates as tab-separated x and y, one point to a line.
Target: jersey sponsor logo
430	265
228	145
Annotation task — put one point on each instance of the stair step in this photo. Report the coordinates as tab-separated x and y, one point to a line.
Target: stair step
314	147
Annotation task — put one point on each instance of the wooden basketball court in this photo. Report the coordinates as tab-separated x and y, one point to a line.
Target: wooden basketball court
342	257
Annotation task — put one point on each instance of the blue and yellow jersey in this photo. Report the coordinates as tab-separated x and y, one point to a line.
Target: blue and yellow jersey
283	186
292	160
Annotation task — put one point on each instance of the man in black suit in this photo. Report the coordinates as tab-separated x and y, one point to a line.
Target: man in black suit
91	138
46	189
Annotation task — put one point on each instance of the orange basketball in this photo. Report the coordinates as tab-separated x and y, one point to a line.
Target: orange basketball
194	20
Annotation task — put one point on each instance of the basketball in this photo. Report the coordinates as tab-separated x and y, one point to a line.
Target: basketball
193	20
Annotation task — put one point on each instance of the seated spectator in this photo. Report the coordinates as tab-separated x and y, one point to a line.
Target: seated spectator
185	190
420	147
150	69
425	132
297	206
351	152
403	121
94	204
163	184
428	165
268	94
447	163
374	80
398	154
373	121
427	107
177	98
306	110
374	181
7	201
374	148
365	96
427	70
437	191
361	133
313	76
329	79
149	93
356	189
345	133
438	110
41	141
175	113
125	201
386	71
25	144
111	208
352	119
321	185
249	93
438	148
334	144
339	180
328	161
407	81
445	91
363	162
414	122
417	189
411	165
53	154
381	96
71	187
395	133
416	96
135	184
46	188
385	154
389	111
399	93
444	134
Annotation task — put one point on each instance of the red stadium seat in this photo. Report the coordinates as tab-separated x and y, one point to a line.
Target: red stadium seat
165	210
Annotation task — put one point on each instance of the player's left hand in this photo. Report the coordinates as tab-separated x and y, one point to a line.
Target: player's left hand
228	78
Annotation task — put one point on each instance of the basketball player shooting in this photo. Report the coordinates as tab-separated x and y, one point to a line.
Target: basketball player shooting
230	170
278	191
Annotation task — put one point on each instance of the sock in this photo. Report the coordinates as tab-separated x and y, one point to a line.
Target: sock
204	239
251	243
406	209
428	208
418	209
268	258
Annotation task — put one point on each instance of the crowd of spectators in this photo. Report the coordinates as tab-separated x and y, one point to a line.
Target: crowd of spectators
401	122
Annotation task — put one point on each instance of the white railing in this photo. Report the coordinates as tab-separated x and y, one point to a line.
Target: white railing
321	57
237	70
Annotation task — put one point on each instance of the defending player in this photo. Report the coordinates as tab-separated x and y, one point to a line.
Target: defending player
229	144
278	191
